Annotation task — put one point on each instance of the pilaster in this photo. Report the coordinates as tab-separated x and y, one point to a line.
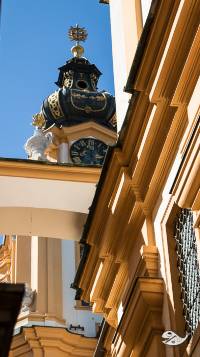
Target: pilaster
23	260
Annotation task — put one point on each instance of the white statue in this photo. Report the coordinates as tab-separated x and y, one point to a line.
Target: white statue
36	145
28	298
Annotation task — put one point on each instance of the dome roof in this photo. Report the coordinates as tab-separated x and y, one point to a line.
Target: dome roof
77	100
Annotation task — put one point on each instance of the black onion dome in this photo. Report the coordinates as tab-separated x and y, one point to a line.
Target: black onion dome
78	100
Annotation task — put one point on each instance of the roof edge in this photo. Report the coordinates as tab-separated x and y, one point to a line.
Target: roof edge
141	46
128	88
105	2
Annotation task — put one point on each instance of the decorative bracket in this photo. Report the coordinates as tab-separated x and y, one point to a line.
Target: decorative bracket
172	339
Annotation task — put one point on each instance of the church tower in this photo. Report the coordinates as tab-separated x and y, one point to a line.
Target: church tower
80	118
74	128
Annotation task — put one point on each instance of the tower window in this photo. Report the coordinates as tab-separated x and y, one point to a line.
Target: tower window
189	272
81	84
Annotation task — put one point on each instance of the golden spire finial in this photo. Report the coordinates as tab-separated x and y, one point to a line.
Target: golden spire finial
77	34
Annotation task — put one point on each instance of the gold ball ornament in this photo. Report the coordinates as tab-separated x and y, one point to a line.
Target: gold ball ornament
77	51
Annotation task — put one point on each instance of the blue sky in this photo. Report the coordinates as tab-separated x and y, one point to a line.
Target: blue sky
33	45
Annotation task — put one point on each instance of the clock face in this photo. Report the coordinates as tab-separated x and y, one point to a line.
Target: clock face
88	151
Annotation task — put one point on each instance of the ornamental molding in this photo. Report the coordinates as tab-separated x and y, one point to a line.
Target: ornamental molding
49	171
141	321
149	262
53	339
54	105
87	129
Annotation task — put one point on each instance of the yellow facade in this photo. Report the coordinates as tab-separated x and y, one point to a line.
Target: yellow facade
130	274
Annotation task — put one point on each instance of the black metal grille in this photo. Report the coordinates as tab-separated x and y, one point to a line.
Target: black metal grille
189	273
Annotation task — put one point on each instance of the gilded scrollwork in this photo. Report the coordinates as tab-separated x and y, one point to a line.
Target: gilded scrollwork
54	105
79	100
68	79
98	98
38	120
94	80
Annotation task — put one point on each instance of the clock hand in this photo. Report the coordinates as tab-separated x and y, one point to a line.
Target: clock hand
83	153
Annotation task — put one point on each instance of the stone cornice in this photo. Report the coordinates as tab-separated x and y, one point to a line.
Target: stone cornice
142	317
42	339
49	171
